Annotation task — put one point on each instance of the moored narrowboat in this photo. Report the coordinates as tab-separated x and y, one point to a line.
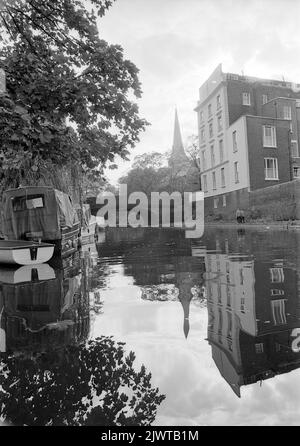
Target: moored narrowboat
41	214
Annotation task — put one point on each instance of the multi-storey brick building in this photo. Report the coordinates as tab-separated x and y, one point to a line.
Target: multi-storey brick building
249	137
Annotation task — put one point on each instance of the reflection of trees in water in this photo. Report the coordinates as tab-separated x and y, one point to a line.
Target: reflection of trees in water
91	384
171	293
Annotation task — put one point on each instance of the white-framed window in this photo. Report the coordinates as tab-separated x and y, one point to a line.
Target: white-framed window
236	172
210	127
216	203
276	292
269	136
296	172
214	181
205	183
277	275
220	125
287	112
259	348
271	168
223	177
234	141
202	135
212	156
203	154
221	150
246	99
224	201
278	311
264	98
209	110
218	101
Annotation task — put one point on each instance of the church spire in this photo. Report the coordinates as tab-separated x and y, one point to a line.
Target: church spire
178	154
177	139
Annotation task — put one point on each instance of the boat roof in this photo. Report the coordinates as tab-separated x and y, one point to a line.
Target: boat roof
35	188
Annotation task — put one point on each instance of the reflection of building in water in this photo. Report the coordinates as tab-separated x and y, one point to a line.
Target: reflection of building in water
43	307
160	261
252	307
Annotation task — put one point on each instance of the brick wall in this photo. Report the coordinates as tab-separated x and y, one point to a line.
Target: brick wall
279	202
234	200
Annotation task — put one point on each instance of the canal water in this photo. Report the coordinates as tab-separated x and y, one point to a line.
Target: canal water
150	327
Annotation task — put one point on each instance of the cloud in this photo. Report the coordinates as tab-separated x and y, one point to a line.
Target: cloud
177	44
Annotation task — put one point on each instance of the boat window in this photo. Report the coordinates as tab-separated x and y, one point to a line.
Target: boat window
28	202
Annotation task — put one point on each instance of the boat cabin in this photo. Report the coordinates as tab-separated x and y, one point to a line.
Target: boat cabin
41	214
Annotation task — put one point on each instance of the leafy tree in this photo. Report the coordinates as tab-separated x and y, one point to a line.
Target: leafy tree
92	384
154	160
68	91
144	180
193	152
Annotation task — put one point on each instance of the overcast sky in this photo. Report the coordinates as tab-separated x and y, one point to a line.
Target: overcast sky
176	44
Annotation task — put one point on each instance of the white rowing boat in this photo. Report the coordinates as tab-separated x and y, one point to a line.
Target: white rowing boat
19	252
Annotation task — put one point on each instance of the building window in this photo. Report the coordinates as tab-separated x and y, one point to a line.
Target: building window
202	136
203	153
277	275
229	326
246	99
278	311
264	98
210	130
276	292
212	156
224	201
221	150
236	172
201	116
241	276
287	112
243	307
205	183
234	141
294	149
223	177
216	203
271	169
209	110
296	172
218	101
269	136
220	126
214	182
259	348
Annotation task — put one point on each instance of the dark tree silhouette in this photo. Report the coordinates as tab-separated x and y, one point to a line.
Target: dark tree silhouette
90	384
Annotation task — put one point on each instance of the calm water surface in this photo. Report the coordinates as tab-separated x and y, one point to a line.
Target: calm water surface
213	320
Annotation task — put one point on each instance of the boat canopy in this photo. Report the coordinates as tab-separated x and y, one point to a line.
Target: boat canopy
36	212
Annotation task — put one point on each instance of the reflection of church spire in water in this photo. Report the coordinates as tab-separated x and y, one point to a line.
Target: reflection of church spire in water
185	300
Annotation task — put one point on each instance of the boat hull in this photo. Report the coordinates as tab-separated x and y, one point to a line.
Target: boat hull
24	253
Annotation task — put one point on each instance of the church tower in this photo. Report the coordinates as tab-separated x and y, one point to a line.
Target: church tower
178	158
